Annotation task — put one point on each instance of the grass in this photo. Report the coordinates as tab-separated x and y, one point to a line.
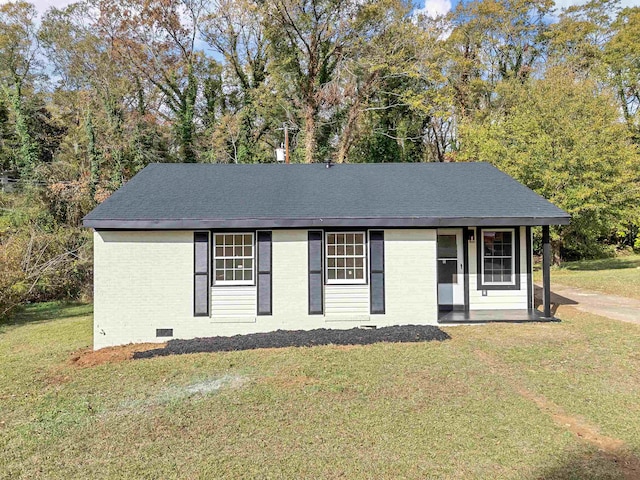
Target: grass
619	275
430	410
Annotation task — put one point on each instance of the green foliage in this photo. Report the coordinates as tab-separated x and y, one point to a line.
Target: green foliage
184	124
94	159
560	137
41	259
621	59
18	65
29	152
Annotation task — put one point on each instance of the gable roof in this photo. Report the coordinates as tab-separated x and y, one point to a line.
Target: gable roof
192	196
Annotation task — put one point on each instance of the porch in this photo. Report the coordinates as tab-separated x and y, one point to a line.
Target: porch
538	296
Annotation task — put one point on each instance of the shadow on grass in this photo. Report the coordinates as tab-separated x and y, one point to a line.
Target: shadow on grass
41	312
598	465
299	338
614	263
603	264
556	300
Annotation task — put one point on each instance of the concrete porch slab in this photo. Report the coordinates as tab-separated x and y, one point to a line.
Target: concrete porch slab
486	316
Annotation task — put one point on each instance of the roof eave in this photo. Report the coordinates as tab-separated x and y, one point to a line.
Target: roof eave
387	222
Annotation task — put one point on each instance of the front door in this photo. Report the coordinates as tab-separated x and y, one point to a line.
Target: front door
450	269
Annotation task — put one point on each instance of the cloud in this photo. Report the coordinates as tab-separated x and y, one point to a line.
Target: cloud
434	8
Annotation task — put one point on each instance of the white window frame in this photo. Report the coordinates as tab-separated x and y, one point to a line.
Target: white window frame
364	256
243	257
513	256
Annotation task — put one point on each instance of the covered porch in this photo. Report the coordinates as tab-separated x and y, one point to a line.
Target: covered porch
541	297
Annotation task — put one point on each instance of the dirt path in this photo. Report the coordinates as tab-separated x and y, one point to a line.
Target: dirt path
612	306
88	357
613	448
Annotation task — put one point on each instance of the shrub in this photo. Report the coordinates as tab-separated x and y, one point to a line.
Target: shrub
40	259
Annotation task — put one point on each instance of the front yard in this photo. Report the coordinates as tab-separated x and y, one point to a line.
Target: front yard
524	401
616	276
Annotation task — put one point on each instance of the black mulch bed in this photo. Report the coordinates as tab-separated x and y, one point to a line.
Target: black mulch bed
299	338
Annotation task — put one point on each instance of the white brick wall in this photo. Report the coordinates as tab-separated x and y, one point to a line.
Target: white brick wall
290	282
144	281
410	277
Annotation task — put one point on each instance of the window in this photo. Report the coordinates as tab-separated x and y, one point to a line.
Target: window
498	257
233	259
346	257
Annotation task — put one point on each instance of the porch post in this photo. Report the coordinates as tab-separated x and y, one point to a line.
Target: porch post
546	271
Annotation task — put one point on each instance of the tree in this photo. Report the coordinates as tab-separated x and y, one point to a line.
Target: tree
492	41
600	40
19	67
385	77
7	134
561	137
621	58
157	41
235	29
578	39
249	106
309	41
94	86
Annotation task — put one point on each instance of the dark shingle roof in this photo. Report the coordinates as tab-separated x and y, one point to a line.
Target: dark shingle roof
271	196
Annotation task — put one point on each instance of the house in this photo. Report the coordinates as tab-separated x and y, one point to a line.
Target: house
197	250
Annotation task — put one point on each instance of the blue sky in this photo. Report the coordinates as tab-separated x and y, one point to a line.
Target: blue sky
439	7
432	7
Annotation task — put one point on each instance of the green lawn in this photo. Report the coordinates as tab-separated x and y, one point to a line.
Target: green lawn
618	276
462	408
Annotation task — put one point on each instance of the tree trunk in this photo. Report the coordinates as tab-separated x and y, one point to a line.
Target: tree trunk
94	161
348	133
29	151
185	135
310	142
185	120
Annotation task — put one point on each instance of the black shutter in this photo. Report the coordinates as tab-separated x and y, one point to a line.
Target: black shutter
201	263
376	261
264	273
316	306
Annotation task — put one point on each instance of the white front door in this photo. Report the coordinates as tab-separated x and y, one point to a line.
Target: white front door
450	268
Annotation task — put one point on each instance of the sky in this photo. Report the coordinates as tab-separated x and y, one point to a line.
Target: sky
431	7
440	7
43	5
